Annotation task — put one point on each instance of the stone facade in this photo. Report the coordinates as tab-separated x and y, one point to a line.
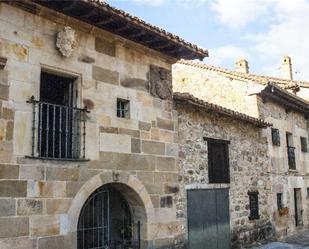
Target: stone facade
249	162
40	200
152	155
239	92
211	86
285	180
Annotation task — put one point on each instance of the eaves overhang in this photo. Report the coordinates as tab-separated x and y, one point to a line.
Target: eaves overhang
103	16
289	101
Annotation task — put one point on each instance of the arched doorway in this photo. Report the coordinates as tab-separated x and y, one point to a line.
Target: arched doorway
106	221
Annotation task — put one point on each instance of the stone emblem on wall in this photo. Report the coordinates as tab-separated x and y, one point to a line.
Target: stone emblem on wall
66	41
160	82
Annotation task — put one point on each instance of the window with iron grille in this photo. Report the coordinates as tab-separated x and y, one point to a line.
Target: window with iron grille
218	161
123	108
290	151
275	136
279	201
254	205
303	144
58	126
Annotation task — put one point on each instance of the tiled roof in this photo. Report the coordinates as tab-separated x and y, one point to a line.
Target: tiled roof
190	99
284	83
102	15
291	102
154	28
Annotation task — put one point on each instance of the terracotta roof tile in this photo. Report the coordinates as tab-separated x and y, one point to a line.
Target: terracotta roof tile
284	83
189	98
149	26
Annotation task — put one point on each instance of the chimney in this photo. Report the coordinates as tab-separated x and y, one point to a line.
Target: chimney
287	71
242	66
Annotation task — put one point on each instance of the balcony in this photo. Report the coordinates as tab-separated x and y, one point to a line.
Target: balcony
291	157
58	131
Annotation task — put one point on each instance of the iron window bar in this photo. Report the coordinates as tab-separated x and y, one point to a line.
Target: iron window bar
95	225
303	143
291	157
58	131
123	108
254	205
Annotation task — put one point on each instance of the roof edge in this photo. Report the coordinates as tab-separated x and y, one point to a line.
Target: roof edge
262	79
190	99
103	16
285	98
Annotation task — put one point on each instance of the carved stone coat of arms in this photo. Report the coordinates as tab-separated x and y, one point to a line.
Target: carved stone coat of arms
66	41
160	82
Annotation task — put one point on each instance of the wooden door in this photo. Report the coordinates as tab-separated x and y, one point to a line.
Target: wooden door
298	207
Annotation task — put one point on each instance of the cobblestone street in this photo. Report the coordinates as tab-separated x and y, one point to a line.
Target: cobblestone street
297	241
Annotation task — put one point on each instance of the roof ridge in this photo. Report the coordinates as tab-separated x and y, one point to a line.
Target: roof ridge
263	79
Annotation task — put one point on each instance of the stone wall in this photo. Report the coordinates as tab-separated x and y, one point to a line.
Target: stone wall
284	180
40	199
6	116
216	88
241	95
249	162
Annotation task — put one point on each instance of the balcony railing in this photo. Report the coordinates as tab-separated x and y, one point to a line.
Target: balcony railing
291	157
58	132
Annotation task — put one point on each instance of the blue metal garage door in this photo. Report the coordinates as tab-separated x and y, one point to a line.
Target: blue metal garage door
208	219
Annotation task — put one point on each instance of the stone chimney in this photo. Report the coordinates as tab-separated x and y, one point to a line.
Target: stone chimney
287	71
242	66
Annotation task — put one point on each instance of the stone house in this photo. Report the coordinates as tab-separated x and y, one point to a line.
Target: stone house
88	134
225	186
97	152
275	101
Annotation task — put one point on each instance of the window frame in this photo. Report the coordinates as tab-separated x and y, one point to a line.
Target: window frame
304	144
254	215
290	151
123	111
275	140
211	167
279	201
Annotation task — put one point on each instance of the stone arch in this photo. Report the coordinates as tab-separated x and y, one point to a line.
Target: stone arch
132	189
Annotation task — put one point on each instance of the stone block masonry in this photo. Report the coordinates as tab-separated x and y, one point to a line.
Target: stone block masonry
40	200
248	163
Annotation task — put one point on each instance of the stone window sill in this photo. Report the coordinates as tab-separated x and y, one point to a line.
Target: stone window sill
292	171
57	159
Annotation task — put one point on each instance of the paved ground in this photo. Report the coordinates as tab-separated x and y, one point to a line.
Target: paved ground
298	241
280	245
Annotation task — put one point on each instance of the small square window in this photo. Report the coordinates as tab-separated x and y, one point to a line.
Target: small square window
275	136
303	143
254	205
123	108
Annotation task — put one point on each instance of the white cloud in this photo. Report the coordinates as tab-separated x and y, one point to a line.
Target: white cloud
289	36
284	32
238	13
225	54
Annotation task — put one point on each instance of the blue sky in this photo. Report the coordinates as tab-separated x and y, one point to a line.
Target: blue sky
262	31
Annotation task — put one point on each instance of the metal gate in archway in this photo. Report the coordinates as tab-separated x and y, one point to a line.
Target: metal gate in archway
105	222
